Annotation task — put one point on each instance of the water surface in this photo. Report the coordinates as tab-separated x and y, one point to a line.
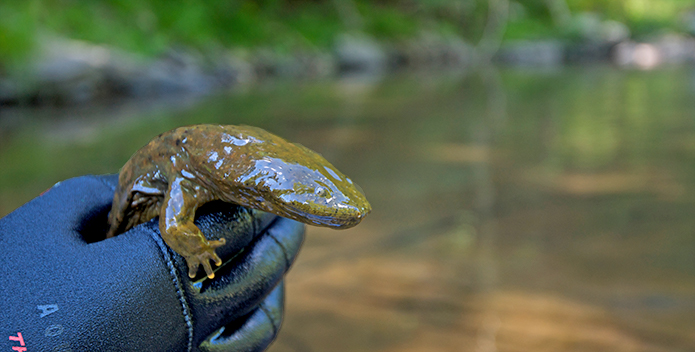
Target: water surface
514	210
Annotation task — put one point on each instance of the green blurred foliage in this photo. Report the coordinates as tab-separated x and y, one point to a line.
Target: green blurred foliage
151	26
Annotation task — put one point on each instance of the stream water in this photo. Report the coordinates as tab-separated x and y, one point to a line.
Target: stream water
513	210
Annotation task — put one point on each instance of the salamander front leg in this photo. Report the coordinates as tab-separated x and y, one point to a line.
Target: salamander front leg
187	240
181	234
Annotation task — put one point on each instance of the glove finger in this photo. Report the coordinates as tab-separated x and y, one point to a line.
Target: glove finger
252	332
236	224
242	283
110	180
75	207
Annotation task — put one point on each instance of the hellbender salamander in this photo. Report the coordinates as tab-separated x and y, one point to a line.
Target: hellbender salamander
180	170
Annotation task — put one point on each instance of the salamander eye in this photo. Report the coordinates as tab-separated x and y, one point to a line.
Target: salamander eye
321	191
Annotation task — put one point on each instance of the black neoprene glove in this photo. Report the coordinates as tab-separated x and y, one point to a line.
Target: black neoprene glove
62	288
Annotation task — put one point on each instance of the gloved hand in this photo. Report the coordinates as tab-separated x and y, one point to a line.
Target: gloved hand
62	288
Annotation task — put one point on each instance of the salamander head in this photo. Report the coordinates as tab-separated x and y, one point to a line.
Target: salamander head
308	191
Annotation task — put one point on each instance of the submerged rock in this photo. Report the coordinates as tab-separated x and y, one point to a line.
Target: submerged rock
595	38
669	49
532	53
359	54
177	72
302	64
73	72
432	51
68	71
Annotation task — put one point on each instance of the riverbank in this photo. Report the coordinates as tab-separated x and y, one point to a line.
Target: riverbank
69	72
51	54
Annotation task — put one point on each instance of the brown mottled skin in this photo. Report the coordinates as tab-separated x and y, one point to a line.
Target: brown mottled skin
180	170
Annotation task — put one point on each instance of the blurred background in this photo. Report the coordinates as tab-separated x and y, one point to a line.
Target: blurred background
530	163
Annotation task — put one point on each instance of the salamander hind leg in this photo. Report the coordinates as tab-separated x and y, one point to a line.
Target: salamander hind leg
179	231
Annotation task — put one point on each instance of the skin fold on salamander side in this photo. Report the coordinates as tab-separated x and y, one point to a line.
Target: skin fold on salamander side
180	170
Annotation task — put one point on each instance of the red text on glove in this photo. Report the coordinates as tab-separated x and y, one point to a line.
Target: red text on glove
19	339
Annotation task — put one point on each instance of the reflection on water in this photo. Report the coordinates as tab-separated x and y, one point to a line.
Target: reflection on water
513	211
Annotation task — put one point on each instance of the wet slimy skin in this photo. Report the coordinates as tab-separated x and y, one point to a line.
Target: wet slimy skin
180	170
